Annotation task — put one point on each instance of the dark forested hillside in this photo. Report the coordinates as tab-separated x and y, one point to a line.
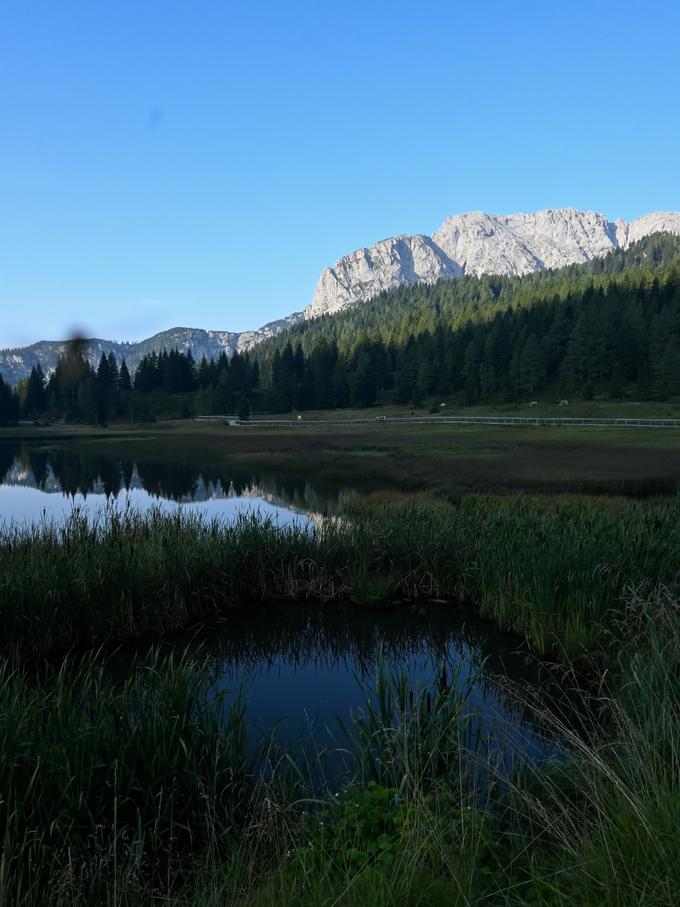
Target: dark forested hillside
612	324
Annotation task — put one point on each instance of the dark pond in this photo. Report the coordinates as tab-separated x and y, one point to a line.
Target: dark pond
303	666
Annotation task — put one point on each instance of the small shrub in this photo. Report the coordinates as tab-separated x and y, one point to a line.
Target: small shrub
372	590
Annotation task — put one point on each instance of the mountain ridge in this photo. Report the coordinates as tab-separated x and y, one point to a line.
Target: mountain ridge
16	363
478	243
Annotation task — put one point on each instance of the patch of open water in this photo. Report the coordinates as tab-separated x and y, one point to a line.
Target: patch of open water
36	486
303	668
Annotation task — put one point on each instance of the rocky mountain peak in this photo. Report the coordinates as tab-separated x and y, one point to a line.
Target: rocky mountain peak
479	243
389	263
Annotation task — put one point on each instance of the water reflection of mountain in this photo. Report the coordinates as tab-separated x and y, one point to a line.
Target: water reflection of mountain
78	471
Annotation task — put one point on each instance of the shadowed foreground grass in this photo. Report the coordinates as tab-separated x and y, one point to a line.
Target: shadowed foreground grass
141	792
548	568
144	791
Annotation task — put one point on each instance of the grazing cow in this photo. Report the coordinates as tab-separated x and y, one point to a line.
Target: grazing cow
533	403
563	403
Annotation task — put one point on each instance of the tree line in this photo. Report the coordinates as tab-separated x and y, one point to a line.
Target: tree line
165	383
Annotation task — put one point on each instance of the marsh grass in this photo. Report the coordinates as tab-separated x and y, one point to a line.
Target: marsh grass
405	735
103	780
603	825
549	569
122	791
140	792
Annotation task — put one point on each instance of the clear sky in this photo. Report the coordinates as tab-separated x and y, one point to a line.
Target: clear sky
199	163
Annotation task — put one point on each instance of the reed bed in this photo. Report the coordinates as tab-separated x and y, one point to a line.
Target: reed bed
104	781
140	791
550	569
143	790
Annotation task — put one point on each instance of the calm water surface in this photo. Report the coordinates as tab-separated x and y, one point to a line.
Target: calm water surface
40	485
305	667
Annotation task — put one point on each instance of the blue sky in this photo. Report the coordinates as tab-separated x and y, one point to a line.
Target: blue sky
199	163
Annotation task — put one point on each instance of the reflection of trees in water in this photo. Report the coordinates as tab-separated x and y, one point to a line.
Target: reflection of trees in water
127	471
174	481
74	470
8	456
39	465
85	473
80	471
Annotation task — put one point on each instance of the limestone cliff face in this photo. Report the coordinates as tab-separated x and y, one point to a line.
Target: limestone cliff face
656	222
479	243
386	265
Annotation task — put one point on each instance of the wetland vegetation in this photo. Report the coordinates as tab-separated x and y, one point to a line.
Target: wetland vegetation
132	770
144	791
146	783
127	574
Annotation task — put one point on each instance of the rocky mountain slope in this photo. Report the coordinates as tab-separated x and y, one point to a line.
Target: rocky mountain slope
16	364
478	243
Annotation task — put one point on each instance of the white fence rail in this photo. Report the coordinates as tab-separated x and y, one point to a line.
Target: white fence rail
450	420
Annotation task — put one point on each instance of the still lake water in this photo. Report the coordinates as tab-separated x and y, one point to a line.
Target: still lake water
300	666
36	486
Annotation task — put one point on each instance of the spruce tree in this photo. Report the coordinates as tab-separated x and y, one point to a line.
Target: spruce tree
35	402
124	381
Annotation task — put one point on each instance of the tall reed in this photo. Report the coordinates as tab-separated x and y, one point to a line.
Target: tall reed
140	791
102	780
550	569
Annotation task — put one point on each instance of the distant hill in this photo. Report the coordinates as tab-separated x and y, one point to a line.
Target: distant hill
16	364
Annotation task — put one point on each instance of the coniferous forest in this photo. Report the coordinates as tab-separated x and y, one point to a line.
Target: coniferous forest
609	327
